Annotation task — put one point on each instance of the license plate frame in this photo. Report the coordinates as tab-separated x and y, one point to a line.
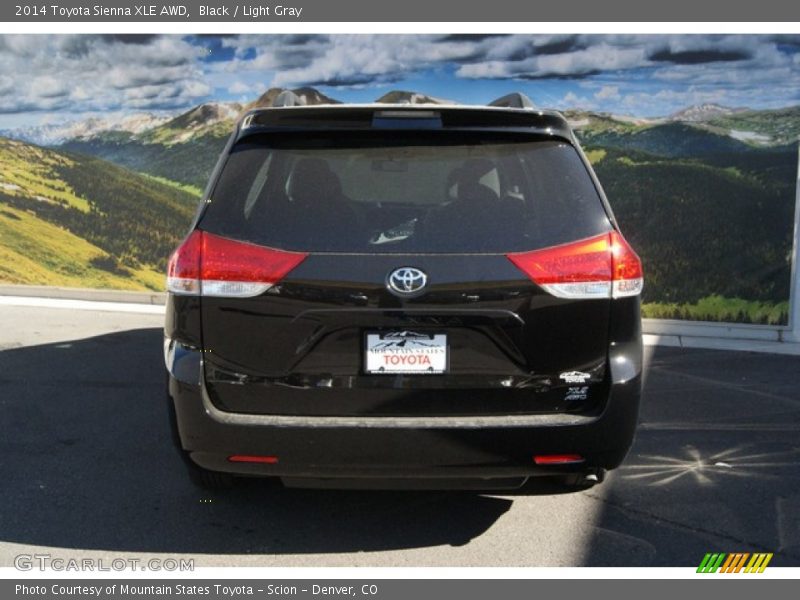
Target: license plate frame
405	353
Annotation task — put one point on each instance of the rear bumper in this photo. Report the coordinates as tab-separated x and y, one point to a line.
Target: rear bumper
402	447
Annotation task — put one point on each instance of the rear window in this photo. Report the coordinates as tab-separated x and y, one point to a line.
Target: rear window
404	192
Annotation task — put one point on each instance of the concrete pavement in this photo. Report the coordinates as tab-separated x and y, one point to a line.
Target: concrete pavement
88	470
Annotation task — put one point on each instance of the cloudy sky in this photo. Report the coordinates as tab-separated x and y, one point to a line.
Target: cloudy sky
45	78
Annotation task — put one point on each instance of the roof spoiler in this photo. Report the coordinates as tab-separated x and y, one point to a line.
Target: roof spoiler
514	100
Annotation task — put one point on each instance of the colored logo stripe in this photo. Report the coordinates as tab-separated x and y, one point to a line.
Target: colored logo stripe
710	563
734	562
758	563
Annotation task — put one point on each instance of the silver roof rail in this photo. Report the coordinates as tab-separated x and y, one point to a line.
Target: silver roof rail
288	98
514	100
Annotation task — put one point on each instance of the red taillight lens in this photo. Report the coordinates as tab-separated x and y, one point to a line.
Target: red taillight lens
627	268
557	459
183	269
210	265
604	266
249	458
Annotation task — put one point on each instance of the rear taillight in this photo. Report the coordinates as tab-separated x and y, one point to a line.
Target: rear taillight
604	266
250	458
209	265
557	459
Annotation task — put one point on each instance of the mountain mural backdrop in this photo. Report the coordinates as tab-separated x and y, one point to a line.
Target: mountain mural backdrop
706	194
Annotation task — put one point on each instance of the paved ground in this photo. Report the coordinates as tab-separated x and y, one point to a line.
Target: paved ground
87	470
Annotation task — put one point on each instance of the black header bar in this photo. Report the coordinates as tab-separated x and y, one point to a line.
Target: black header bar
465	11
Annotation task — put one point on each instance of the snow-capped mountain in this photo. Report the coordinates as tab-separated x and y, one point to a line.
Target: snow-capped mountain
56	133
206	115
200	120
403	97
701	113
308	96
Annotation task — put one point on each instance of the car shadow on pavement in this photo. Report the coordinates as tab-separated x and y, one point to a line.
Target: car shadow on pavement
88	463
715	466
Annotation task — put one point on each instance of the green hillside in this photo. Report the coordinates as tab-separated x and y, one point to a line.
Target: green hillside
72	220
668	139
782	125
710	212
189	162
715	235
186	148
593	124
183	150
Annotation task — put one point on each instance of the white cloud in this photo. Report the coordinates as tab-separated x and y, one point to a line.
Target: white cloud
350	60
607	92
48	86
572	100
103	73
354	60
239	87
99	72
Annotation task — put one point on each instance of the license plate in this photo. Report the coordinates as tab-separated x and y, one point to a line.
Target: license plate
406	352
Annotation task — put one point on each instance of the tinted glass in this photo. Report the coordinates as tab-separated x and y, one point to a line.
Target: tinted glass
398	192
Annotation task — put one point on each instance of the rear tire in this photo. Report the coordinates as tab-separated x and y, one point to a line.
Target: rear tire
209	480
202	478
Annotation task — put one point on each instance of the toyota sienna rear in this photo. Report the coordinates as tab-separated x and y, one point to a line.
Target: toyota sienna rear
403	296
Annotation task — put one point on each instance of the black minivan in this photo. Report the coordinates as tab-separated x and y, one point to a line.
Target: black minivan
403	296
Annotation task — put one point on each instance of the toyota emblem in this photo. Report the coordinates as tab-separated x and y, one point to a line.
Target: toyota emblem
407	281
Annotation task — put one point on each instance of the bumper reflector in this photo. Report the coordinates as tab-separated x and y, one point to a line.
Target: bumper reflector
557	459
267	460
